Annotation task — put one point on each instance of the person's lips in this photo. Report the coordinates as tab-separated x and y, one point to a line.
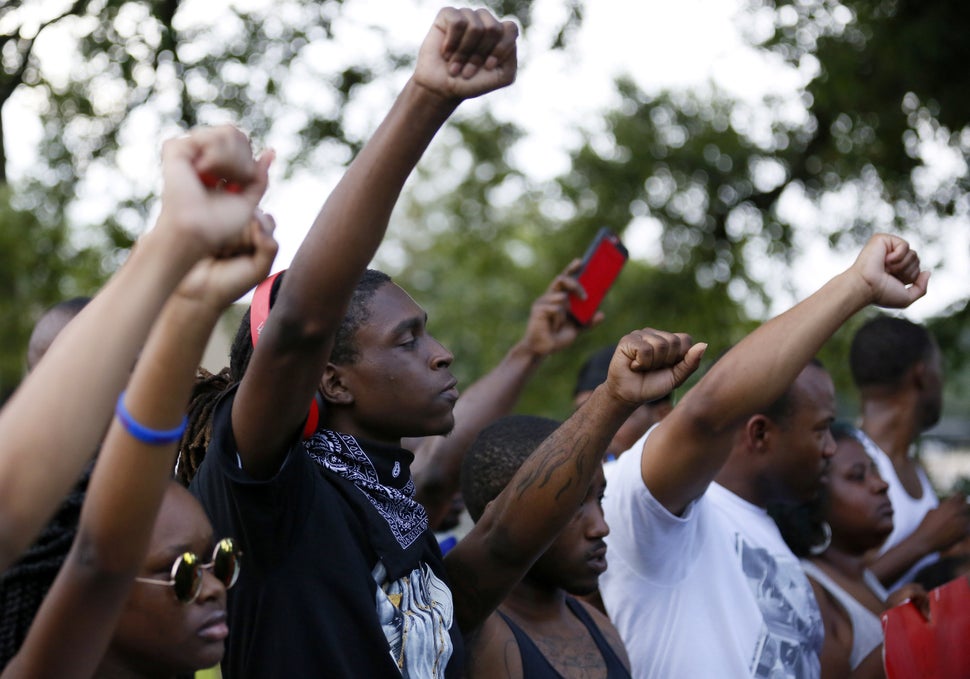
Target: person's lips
823	474
596	559
450	392
215	627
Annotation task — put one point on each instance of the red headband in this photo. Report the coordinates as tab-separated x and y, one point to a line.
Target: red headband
259	309
258	313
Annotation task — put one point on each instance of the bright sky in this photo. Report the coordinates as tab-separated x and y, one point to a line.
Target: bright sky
660	43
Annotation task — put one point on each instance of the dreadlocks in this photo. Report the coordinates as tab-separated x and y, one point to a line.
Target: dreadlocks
198	432
209	387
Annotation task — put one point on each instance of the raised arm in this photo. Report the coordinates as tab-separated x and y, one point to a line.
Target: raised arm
520	524
80	613
756	372
437	459
467	53
90	361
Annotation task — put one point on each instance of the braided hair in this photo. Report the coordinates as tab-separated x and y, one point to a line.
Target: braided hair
198	431
24	585
209	387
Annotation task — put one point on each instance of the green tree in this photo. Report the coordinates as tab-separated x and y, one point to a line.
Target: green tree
39	265
714	179
145	69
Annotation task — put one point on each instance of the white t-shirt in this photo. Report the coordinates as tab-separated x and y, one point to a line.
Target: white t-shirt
714	593
908	511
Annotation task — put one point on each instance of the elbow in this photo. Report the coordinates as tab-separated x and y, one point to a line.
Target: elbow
705	416
292	331
504	549
93	560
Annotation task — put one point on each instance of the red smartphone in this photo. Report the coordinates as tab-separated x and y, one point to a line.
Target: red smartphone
602	263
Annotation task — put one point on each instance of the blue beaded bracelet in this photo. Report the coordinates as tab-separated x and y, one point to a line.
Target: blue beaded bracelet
155	437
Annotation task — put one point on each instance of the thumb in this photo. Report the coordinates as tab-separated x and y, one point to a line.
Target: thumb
919	286
690	363
257	187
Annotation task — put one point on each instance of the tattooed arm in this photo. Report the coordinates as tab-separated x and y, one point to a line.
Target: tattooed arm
520	524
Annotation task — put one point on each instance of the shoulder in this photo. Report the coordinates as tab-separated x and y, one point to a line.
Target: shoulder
834	616
493	651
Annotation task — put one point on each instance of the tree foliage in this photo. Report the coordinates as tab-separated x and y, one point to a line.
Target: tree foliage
144	69
711	181
39	266
709	192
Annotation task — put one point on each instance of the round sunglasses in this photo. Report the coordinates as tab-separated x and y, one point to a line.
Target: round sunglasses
186	574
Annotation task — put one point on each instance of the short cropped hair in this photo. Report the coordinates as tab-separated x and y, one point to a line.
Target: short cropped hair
345	349
497	454
49	325
884	348
783	407
594	370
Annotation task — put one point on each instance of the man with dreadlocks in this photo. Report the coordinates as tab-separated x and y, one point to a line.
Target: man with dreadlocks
311	536
343	571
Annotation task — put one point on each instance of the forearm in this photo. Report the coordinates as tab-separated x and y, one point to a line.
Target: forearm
80	377
130	477
295	345
762	366
746	380
519	525
897	560
351	224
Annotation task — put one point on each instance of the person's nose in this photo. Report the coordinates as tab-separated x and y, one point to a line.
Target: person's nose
440	356
598	528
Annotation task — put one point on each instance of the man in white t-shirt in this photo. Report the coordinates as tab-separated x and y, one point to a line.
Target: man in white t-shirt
897	367
700	582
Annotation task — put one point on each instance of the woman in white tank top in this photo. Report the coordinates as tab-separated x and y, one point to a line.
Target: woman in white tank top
836	535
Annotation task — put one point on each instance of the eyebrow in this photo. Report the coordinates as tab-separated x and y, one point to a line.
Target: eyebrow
413	323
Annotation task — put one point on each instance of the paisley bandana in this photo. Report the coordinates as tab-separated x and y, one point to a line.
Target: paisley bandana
377	482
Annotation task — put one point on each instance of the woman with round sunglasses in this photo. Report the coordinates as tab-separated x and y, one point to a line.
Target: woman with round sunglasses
76	622
174	621
834	535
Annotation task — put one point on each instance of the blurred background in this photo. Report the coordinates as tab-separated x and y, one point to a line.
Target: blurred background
742	149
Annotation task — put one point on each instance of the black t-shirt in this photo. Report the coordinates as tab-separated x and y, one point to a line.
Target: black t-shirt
305	603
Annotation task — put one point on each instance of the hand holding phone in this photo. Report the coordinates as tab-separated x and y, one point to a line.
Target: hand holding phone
601	265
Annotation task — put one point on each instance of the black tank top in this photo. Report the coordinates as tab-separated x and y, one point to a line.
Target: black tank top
535	665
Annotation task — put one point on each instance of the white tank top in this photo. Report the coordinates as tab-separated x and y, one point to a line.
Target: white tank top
866	626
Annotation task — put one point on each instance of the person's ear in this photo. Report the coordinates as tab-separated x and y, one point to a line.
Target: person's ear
757	433
486	508
333	386
917	375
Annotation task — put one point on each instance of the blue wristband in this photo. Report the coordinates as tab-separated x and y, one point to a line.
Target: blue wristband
154	437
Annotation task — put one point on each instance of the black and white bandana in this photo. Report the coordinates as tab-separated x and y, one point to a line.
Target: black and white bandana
383	490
